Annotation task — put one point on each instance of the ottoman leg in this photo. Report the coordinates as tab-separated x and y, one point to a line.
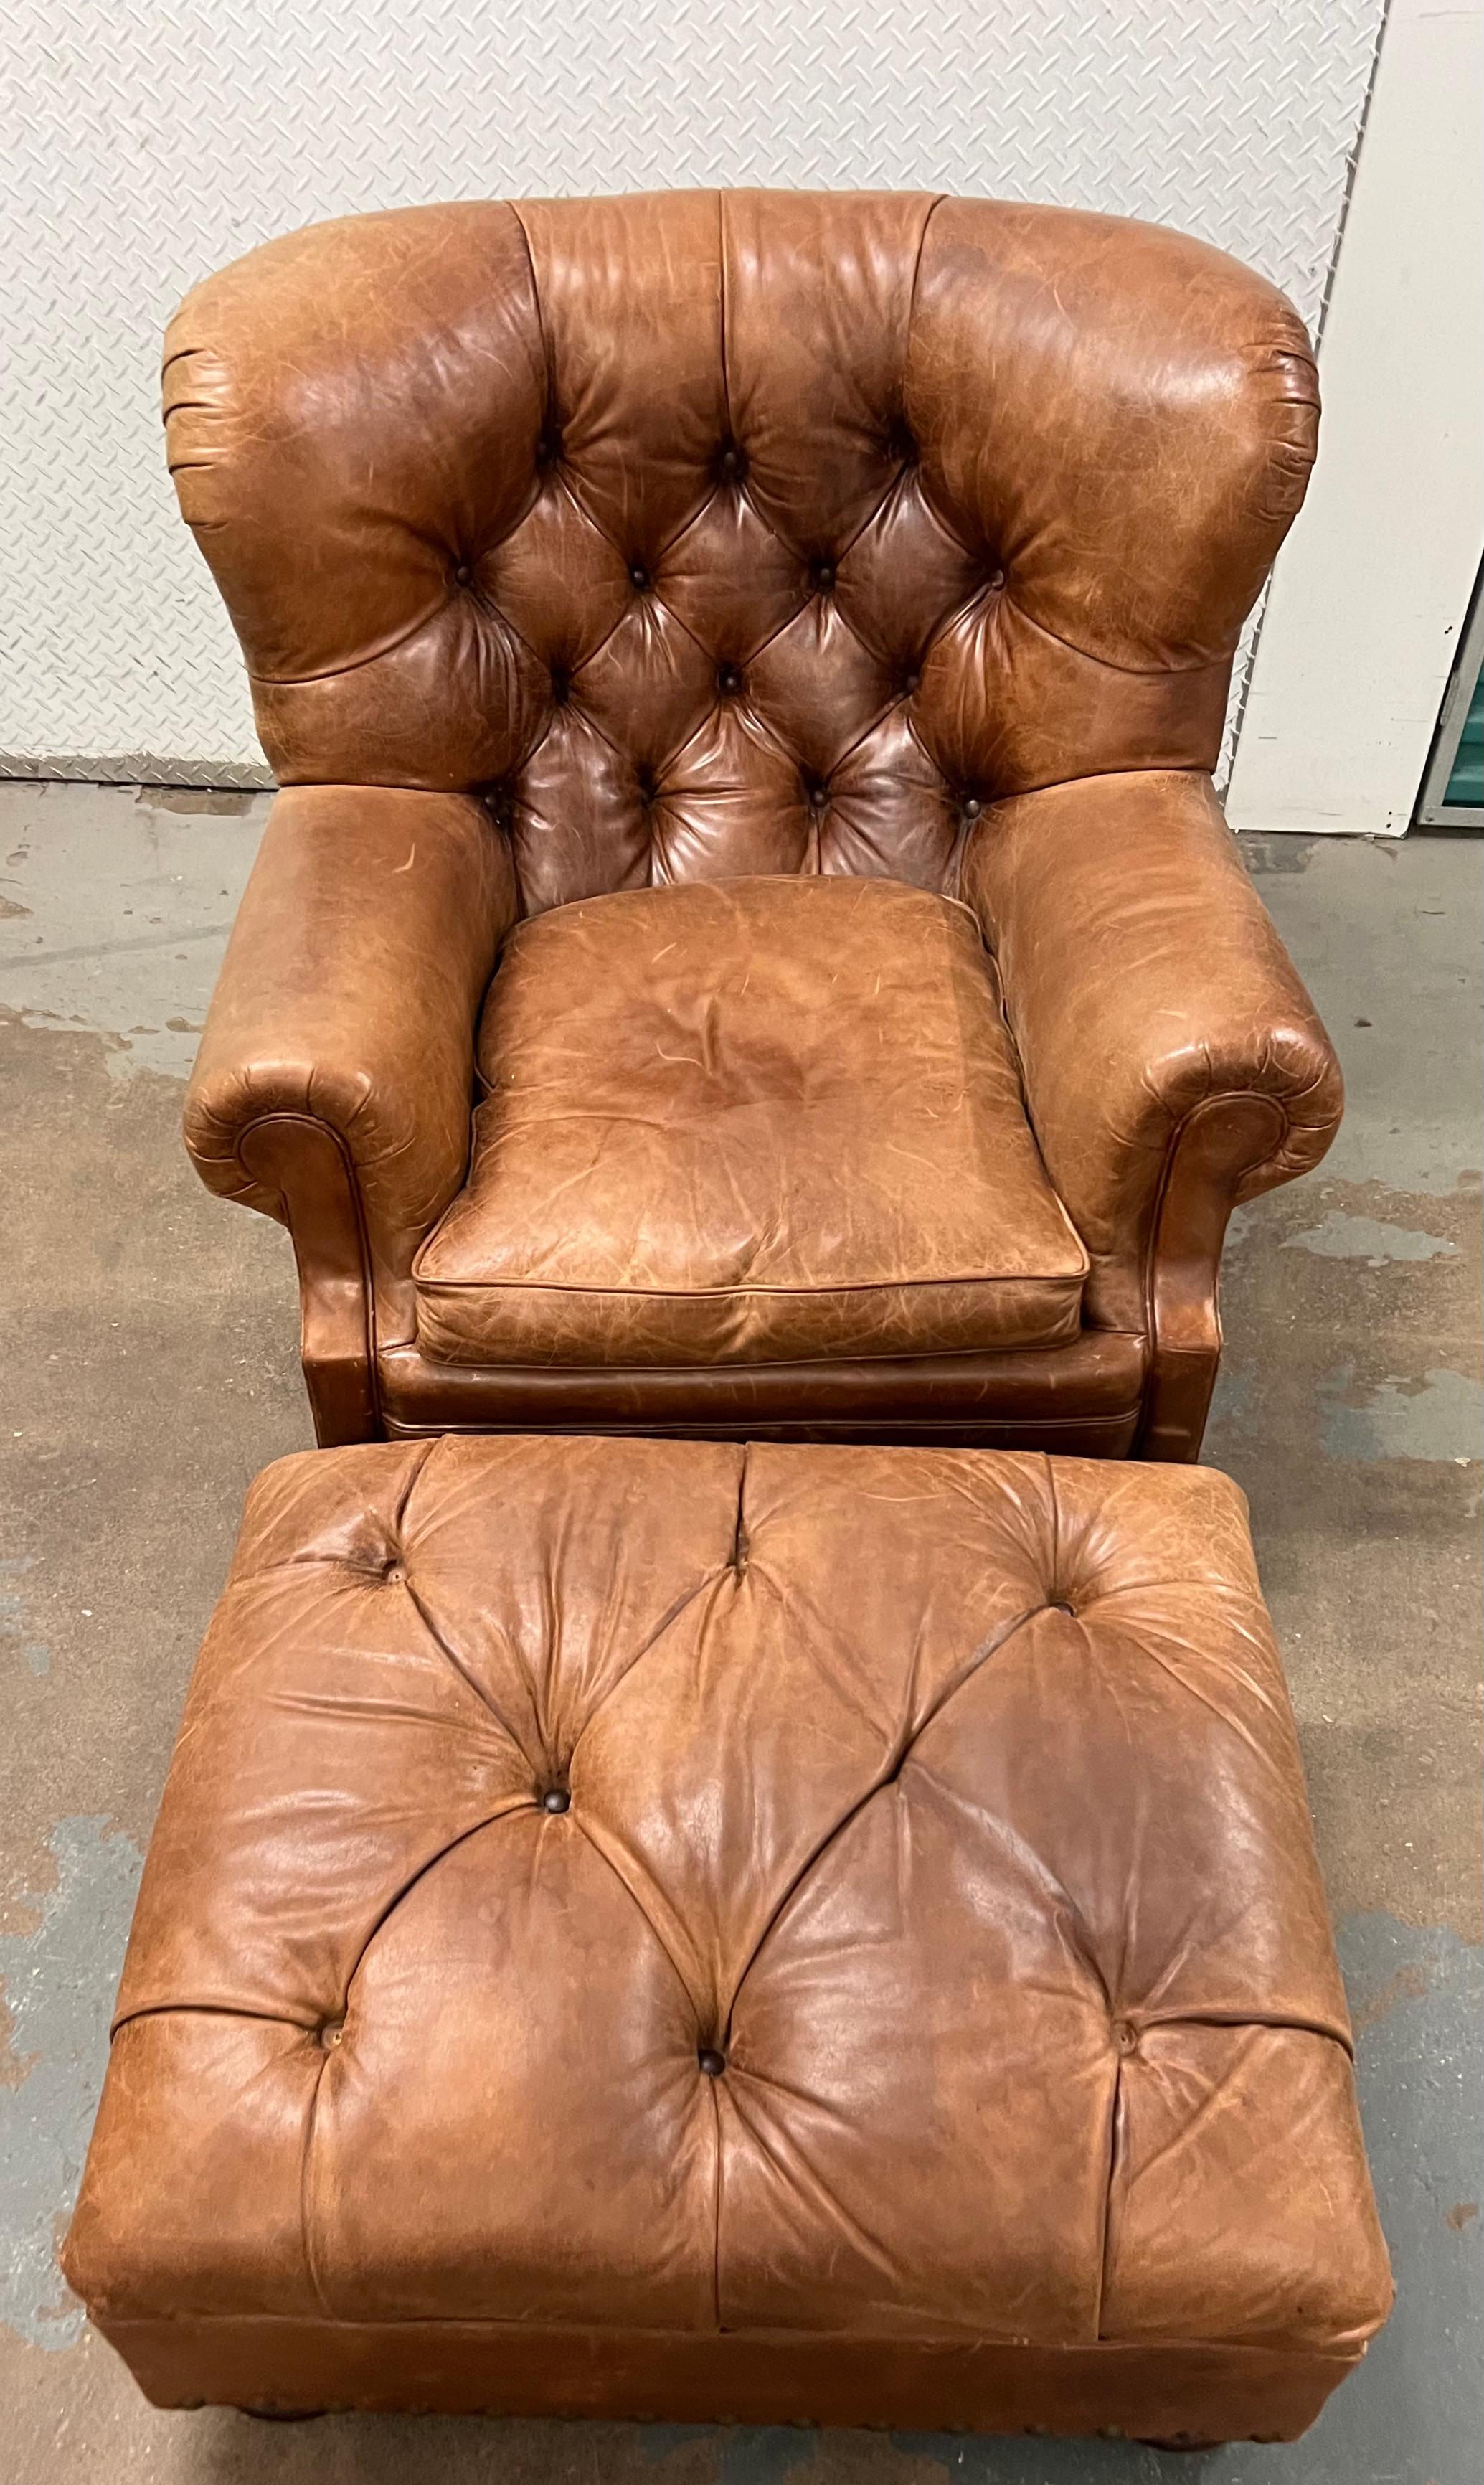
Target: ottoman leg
1178	2443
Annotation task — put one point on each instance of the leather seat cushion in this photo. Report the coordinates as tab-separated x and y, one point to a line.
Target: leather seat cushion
750	1121
649	1892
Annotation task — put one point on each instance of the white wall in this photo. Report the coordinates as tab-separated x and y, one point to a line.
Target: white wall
1371	594
146	144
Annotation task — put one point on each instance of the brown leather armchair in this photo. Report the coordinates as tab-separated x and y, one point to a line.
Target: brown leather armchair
745	671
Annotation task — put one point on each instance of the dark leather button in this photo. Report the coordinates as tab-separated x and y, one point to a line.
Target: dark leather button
731	459
728	680
972	807
712	2063
824	575
638	577
548	448
560	686
463	574
912	682
556	1799
1125	2037
1060	1605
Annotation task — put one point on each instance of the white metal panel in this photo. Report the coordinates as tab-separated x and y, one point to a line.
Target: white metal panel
146	145
1365	613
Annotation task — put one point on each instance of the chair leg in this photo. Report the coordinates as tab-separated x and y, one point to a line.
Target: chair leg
307	1164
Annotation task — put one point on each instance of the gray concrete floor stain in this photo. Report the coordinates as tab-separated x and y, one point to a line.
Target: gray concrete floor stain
118	909
58	1982
150	1371
1440	1416
14	1625
1372	1238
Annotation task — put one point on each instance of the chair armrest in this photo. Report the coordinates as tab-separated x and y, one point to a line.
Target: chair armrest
1173	1062
334	1081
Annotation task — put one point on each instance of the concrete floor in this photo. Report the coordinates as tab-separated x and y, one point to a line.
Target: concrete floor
150	1370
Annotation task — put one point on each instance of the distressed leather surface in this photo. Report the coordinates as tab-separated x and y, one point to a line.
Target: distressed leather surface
1082	1399
756	531
749	1120
1184	996
686	1891
348	1000
707	536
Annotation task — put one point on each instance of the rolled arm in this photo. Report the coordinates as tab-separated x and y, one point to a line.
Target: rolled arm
333	1084
1172	1061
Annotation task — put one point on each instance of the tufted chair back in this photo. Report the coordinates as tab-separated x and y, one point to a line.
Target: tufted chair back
706	534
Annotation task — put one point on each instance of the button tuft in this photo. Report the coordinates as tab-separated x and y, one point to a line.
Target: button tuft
1125	2037
731	458
711	2061
824	575
638	577
972	807
728	680
556	1799
463	574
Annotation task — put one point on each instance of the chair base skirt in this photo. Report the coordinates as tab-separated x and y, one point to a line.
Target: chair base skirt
1107	1438
1081	1400
1154	2391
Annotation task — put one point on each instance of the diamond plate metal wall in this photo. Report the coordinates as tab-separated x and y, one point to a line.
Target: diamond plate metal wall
147	144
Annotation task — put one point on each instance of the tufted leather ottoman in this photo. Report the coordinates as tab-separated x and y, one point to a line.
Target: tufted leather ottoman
658	1929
